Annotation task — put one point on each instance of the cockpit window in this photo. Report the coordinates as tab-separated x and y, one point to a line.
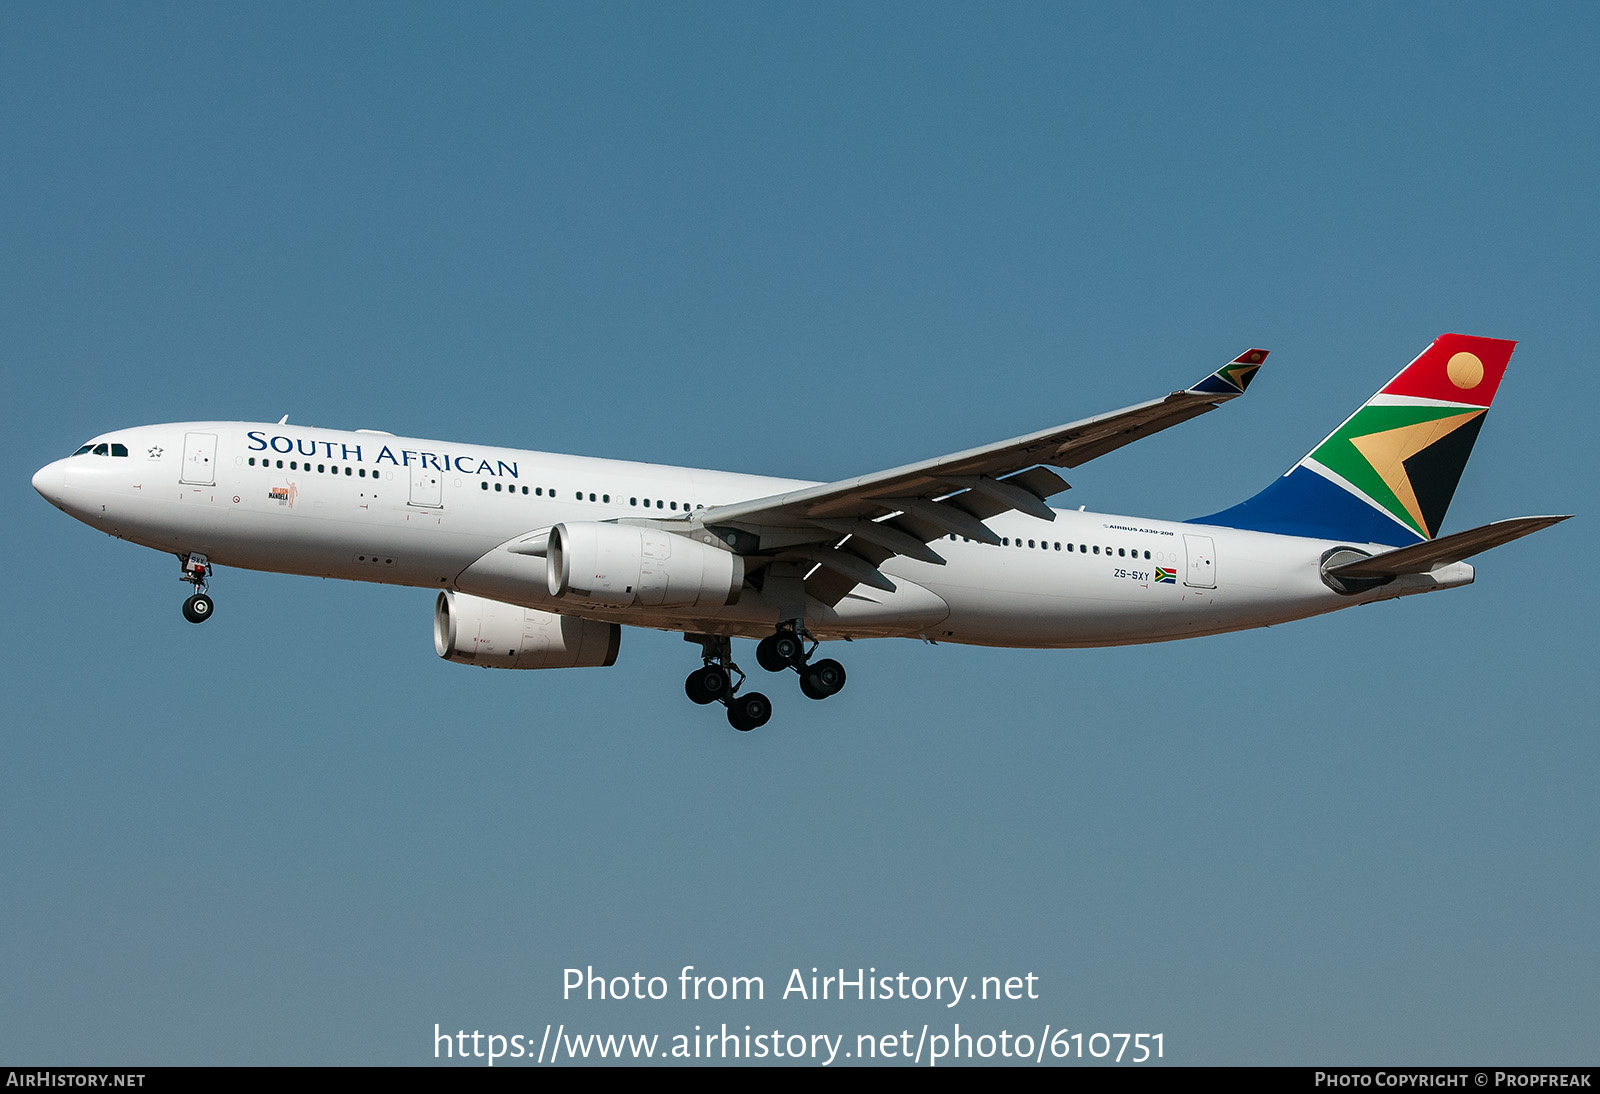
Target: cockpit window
119	449
82	450
111	449
102	450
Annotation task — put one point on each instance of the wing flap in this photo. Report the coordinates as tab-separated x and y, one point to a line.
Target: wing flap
946	518
841	564
886	536
829	586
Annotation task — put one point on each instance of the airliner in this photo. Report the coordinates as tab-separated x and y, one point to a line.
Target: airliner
540	560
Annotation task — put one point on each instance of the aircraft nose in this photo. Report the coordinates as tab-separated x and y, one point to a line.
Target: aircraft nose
47	480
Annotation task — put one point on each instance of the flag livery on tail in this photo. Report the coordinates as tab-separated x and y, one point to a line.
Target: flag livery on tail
1388	473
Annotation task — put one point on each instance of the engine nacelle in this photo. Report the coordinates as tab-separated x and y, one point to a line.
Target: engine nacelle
623	565
487	633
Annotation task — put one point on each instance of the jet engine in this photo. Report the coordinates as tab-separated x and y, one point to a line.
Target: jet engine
621	565
492	635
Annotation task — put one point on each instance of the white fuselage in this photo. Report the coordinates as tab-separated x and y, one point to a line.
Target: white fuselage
368	506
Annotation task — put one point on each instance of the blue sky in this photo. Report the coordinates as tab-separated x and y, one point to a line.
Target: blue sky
815	241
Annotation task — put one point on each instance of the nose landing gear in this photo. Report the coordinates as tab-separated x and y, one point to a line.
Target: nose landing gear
196	571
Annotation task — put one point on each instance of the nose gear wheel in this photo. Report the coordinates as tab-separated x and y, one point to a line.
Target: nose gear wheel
197	572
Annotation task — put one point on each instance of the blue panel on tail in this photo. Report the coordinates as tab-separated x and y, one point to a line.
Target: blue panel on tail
1303	503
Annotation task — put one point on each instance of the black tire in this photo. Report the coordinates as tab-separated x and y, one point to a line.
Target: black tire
706	685
810	689
789	648
828	675
714	679
767	654
747	712
198	608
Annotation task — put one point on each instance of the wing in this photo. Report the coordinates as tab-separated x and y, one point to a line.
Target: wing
847	529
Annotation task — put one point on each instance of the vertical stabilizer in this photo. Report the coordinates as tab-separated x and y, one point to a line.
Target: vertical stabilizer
1388	473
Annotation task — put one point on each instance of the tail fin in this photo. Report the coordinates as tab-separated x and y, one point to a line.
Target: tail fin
1388	473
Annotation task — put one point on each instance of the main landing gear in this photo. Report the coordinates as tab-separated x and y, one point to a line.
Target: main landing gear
196	571
787	649
790	647
716	683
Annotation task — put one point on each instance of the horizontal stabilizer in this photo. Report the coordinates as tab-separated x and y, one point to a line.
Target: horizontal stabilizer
1420	558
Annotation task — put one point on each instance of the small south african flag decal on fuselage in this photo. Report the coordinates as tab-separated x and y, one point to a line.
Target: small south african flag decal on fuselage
1164	574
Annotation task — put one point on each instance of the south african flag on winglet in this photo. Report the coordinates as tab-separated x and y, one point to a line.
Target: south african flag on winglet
1234	377
1163	574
